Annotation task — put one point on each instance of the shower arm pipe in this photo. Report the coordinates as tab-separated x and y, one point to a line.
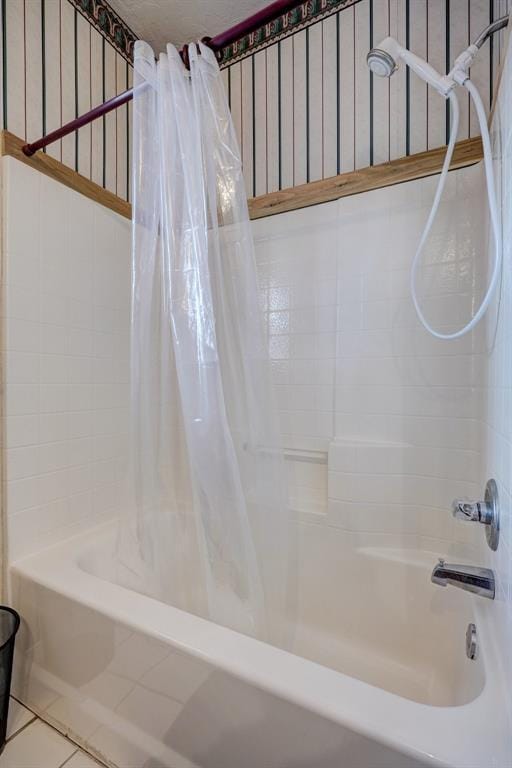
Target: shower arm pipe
462	64
493	27
217	43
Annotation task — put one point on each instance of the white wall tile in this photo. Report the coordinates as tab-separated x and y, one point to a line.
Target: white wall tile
65	382
497	415
351	363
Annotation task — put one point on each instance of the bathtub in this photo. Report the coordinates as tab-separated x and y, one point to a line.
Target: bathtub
378	676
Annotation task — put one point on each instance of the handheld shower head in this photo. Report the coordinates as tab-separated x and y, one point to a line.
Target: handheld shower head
380	62
383	61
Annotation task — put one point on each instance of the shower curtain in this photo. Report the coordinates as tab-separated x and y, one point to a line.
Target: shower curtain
207	524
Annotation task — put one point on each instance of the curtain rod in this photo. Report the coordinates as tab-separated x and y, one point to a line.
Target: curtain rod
217	43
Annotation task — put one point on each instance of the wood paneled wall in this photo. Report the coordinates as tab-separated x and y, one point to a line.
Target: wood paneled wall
55	66
307	107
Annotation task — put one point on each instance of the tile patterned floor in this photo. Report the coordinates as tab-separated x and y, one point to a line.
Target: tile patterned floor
33	744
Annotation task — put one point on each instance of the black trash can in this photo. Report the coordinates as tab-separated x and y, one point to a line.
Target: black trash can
9	625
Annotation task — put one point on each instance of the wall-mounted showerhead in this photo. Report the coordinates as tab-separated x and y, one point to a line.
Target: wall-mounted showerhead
384	58
380	62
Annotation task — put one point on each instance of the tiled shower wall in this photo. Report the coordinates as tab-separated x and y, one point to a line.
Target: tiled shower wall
380	421
497	413
65	319
56	65
307	107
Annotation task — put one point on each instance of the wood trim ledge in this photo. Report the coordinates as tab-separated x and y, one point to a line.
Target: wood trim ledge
467	152
11	145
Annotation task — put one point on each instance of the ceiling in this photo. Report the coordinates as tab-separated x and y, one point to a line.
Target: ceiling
159	22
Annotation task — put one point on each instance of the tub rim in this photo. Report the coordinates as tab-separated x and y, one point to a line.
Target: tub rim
431	733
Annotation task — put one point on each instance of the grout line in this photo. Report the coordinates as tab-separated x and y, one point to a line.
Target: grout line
23	705
20	730
68	758
81	750
23	728
37	718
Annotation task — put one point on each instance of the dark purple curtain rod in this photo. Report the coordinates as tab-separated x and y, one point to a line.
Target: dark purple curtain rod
217	43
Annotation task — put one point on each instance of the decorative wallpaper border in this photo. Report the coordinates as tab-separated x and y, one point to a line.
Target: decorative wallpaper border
118	33
112	27
292	21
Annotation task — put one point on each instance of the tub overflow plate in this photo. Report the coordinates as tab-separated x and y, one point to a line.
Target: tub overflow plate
471	642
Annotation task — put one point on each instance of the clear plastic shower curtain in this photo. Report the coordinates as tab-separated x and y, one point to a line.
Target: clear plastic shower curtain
207	528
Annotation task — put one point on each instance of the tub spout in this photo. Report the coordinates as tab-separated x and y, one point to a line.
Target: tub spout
480	581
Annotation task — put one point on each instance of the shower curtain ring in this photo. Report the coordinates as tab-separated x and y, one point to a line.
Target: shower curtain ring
184	56
219	52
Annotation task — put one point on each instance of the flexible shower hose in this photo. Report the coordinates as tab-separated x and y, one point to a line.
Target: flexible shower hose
491	194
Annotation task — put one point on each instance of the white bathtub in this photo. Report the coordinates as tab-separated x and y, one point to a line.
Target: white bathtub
378	677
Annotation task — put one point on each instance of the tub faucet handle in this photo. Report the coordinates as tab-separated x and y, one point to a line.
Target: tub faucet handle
486	512
472	511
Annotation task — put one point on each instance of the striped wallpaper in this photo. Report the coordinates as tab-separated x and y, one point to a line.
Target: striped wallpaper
306	107
55	66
